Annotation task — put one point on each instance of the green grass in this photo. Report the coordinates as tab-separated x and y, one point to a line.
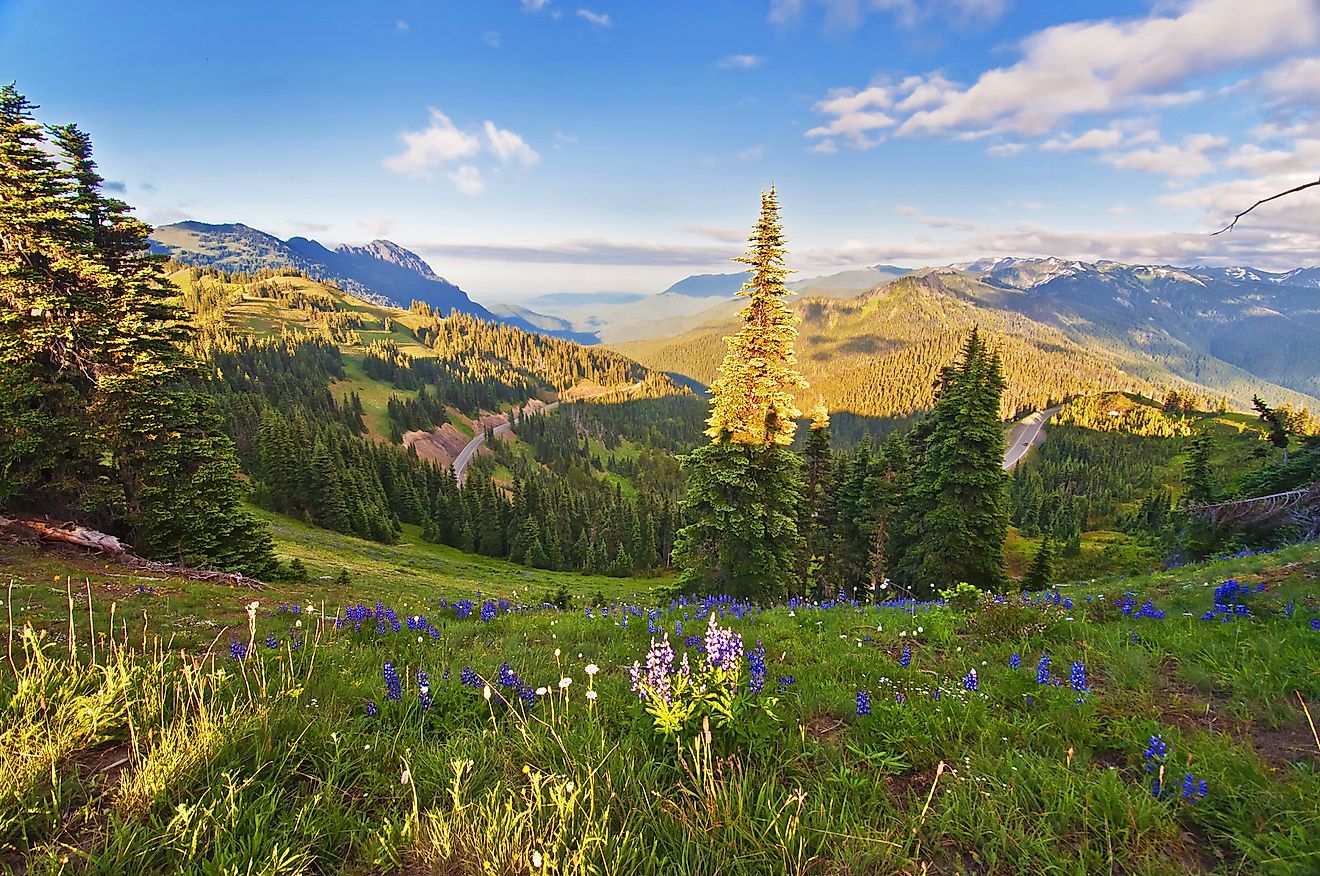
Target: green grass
193	611
161	760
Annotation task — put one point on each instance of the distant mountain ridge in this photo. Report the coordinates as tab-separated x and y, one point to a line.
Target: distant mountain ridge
1232	331
381	271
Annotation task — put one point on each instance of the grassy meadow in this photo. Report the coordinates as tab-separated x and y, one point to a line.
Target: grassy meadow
399	723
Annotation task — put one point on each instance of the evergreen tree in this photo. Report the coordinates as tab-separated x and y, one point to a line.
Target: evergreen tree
957	513
1042	567
1198	472
1276	423
99	421
745	485
817	510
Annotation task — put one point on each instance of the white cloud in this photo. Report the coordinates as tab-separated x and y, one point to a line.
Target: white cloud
1296	78
439	143
443	143
508	146
491	38
923	91
855	114
400	25
752	154
1184	160
467	179
1096	138
595	19
1005	150
1110	64
534	5
825	147
740	62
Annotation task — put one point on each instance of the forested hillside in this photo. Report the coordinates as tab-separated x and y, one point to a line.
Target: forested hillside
319	388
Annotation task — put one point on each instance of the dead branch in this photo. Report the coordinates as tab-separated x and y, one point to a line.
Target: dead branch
40	531
1229	226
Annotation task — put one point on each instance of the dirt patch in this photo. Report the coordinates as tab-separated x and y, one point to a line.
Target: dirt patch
1284	746
914	785
824	728
103	765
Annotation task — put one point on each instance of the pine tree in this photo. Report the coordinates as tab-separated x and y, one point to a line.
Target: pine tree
745	485
957	515
1042	567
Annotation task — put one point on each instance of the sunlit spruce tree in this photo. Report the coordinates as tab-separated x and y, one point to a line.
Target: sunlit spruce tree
745	486
96	421
956	515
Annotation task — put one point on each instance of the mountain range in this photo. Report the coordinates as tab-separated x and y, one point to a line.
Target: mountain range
1233	331
381	272
1101	325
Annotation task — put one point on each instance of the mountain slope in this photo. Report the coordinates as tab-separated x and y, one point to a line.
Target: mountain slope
1064	328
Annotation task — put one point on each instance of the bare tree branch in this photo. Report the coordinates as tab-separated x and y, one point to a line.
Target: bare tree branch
1229	226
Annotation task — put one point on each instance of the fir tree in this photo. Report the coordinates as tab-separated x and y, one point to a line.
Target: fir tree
957	515
1042	567
745	485
818	508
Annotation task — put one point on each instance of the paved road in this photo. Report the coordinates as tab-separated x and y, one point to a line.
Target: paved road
1026	434
470	450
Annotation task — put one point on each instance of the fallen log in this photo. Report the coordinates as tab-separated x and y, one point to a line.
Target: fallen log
41	531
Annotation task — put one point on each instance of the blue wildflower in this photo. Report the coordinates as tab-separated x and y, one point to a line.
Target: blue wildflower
905	659
393	686
237	650
272	642
1015	661
372	711
424	689
469	678
1077	678
756	667
1043	670
970	682
863	703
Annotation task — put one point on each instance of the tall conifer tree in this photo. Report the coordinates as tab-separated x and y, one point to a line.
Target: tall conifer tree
957	512
97	420
744	487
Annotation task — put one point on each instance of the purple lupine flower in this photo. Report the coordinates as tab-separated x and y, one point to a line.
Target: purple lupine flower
905	659
724	647
654	680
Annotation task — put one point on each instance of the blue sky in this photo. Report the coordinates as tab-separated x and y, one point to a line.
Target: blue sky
526	146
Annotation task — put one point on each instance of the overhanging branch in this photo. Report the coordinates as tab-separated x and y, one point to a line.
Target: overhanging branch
1229	226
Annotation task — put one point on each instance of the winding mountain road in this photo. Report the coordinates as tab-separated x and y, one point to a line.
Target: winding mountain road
1026	434
470	449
